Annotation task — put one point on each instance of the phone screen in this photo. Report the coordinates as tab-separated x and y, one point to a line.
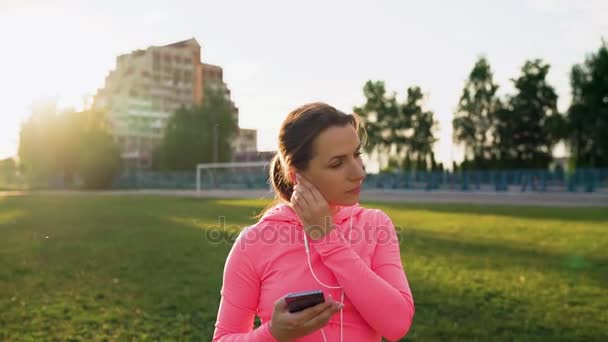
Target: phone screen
302	300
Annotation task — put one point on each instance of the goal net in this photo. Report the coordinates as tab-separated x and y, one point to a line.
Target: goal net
243	175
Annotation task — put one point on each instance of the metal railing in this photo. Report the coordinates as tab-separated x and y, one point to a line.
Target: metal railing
581	180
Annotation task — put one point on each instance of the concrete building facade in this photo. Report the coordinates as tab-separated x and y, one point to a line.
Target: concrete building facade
146	86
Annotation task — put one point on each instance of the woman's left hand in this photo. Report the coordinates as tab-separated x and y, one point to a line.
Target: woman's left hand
312	208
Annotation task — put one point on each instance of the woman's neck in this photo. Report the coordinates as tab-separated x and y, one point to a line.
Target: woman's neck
334	209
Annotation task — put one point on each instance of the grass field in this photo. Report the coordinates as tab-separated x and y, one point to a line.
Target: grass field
147	268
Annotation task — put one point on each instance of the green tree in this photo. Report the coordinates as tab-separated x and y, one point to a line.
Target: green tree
588	112
69	144
375	114
420	127
8	172
98	160
194	135
527	127
474	120
37	144
49	143
397	131
57	146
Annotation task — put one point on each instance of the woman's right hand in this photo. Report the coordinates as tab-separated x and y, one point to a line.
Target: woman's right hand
286	326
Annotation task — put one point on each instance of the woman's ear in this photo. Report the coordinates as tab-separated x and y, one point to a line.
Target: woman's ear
292	176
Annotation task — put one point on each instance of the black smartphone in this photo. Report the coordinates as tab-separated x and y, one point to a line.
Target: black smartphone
299	301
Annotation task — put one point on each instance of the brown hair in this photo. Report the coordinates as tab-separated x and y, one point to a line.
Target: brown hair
295	148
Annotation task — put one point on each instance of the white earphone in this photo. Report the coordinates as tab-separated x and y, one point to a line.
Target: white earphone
330	286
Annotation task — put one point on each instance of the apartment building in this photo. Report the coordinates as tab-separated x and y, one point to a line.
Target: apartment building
146	86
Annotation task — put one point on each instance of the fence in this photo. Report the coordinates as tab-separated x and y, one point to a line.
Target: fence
582	180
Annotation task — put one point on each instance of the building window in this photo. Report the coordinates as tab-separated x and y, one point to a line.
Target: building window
176	77
156	61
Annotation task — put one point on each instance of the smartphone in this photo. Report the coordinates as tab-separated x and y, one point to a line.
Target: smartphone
299	301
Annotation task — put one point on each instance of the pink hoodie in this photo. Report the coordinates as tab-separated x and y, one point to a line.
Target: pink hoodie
268	260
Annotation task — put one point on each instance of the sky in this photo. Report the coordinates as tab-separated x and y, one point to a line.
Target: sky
278	55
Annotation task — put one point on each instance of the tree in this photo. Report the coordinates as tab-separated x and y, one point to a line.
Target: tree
397	131
99	155
588	113
37	148
56	146
194	135
375	114
527	127
474	120
8	172
421	125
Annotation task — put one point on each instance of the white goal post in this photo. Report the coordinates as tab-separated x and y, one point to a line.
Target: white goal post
210	166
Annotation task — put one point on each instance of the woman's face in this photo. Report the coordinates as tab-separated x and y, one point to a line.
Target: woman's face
336	168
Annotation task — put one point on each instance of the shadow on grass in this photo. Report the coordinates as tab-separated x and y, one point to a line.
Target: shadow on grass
484	255
582	214
124	267
487	314
108	269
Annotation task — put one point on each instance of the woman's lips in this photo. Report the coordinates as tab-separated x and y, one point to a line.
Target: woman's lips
355	190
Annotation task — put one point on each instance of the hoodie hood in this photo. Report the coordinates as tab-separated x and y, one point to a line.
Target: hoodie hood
284	213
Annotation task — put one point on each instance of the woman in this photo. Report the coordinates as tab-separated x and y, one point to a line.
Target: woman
316	236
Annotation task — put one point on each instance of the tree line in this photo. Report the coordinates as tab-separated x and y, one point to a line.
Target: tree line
68	148
518	131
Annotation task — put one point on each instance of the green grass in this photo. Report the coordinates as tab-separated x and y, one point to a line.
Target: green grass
148	268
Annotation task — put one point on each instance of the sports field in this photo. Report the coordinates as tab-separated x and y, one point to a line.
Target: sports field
90	267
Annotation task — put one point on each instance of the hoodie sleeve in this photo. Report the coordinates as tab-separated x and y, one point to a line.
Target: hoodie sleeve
240	295
380	293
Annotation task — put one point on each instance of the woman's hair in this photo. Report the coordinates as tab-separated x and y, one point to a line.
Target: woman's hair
295	147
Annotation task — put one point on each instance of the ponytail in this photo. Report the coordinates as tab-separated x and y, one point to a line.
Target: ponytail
281	185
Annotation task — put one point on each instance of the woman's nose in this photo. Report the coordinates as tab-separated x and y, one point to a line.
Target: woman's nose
358	172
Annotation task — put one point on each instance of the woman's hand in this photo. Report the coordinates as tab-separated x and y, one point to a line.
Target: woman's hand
312	208
286	326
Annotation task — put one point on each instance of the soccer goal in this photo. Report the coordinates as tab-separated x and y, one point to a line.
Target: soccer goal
242	175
